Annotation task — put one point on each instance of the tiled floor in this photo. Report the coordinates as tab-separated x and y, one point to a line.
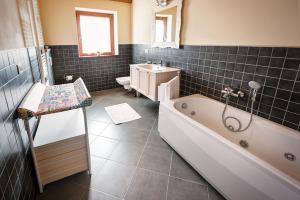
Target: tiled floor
130	161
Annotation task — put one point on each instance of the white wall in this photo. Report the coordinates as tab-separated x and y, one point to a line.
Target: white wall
10	33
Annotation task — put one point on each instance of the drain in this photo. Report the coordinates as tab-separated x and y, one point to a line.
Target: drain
193	113
184	106
290	156
230	127
244	144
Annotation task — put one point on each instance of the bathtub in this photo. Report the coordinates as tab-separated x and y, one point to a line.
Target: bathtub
264	170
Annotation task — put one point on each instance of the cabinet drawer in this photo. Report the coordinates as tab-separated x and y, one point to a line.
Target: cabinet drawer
61	147
63	165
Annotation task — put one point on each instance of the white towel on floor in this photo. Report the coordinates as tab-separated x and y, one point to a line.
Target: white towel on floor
121	113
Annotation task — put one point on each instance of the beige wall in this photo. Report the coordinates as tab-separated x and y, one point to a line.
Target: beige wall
10	33
230	22
59	20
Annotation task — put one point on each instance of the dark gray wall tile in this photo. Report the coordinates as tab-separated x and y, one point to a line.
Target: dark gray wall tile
276	68
17	180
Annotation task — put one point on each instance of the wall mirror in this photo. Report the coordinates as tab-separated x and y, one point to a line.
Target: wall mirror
166	25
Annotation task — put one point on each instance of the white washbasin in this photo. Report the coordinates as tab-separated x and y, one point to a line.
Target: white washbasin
152	67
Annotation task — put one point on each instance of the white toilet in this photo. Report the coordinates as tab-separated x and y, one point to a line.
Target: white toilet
125	81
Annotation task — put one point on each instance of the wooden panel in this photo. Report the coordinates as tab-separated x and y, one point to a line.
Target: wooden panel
68	172
61	147
124	1
63	165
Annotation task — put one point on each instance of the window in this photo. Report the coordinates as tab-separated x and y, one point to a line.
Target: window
95	33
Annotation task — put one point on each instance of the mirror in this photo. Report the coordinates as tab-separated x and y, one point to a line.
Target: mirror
166	25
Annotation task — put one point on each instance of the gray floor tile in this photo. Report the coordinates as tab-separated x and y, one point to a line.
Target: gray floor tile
156	159
62	190
182	190
137	106
97	113
84	178
149	110
155	126
113	179
182	169
214	194
144	123
96	127
126	134
147	185
103	147
155	141
110	179
95	195
127	153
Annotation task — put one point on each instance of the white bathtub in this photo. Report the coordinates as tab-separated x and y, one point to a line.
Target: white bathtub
259	172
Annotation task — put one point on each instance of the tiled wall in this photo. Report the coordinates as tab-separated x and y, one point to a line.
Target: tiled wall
97	73
16	168
209	69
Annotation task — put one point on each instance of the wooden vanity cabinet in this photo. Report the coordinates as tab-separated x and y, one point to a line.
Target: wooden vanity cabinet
134	77
146	80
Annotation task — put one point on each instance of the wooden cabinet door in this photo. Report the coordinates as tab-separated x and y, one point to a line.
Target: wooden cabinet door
153	86
134	77
144	82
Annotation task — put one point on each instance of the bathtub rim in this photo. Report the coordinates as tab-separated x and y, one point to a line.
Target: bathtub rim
267	167
293	132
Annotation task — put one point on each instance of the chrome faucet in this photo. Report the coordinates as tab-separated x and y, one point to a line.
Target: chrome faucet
228	91
160	63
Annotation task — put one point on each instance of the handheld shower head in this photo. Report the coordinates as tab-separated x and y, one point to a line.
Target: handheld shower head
254	85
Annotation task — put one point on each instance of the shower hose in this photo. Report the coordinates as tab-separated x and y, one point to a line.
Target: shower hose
230	127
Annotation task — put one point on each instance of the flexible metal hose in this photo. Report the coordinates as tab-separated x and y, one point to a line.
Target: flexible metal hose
231	128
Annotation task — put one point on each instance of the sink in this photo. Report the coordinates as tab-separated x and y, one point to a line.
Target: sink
152	67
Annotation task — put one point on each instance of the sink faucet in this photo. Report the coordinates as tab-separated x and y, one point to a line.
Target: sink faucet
228	91
160	63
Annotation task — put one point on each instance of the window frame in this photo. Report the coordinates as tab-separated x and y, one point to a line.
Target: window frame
112	33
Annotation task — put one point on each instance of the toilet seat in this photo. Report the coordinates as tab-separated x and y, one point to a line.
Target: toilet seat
125	81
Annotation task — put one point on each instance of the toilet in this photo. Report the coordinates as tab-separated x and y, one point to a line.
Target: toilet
125	81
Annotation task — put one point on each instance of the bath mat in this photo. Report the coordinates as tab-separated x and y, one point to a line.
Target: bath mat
121	113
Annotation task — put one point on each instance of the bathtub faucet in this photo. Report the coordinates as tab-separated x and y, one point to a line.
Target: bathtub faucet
228	91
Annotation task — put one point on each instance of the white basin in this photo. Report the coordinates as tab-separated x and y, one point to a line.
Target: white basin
152	67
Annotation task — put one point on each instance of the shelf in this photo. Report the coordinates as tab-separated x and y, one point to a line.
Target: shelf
59	126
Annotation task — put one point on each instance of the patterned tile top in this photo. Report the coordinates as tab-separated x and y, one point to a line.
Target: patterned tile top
58	98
